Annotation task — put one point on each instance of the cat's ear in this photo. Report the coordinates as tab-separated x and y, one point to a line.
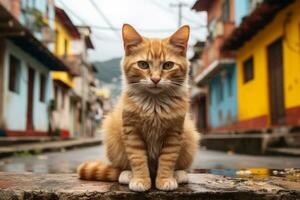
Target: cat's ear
131	38
180	39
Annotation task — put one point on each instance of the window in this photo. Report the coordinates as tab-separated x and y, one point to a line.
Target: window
14	74
65	47
56	41
42	87
226	10
56	96
248	70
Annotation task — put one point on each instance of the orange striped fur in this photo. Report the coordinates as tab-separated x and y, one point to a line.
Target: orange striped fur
98	171
149	132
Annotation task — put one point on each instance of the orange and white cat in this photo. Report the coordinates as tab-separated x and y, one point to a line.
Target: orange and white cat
149	138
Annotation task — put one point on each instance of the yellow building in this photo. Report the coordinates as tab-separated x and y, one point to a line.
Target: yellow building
268	65
65	33
63	116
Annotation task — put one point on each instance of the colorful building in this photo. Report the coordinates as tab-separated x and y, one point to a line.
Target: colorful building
63	110
67	98
25	82
86	83
219	67
268	73
73	90
36	16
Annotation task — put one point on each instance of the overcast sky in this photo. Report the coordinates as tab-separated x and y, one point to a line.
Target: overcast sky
152	18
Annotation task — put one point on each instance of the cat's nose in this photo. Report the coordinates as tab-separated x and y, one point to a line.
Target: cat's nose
155	80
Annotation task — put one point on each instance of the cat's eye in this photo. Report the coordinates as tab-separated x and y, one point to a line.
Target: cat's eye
168	65
143	64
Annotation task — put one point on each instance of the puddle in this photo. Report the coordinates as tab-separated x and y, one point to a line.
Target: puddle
254	173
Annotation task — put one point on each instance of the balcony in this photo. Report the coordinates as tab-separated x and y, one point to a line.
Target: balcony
74	63
64	78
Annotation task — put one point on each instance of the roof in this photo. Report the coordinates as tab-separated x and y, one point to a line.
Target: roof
86	31
254	22
202	5
212	70
67	22
11	28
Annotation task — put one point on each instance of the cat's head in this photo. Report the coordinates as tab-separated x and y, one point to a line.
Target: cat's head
155	65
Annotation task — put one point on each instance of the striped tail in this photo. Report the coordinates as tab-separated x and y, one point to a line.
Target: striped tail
98	171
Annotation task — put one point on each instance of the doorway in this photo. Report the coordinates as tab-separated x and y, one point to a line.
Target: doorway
276	83
30	99
202	115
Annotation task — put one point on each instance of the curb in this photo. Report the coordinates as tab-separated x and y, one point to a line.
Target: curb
41	147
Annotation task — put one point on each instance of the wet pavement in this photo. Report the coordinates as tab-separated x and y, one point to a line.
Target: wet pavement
224	163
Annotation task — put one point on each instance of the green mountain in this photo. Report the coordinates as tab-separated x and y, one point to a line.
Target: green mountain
108	70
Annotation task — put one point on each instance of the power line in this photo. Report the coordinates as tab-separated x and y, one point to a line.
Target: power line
144	30
72	12
112	28
161	6
105	18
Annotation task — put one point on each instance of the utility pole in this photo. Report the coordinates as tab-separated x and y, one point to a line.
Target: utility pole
180	5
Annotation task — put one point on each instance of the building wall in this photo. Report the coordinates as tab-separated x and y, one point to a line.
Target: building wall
214	10
223	110
45	8
62	35
218	31
241	10
2	49
15	104
62	111
253	96
221	113
63	114
82	89
13	6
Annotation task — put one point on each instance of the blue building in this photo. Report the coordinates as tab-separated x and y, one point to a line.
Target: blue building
25	82
221	82
219	75
223	97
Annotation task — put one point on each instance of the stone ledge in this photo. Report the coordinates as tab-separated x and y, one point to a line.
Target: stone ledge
201	186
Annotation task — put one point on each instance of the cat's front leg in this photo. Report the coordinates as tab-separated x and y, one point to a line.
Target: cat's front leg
136	152
165	179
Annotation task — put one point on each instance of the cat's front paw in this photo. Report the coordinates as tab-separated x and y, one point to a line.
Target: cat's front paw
181	176
166	184
125	177
140	184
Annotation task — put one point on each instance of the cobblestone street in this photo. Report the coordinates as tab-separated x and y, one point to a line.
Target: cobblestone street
66	161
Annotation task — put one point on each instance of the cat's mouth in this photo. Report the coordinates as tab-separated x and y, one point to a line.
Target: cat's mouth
155	88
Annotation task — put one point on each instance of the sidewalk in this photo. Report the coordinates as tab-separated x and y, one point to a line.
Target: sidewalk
47	146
